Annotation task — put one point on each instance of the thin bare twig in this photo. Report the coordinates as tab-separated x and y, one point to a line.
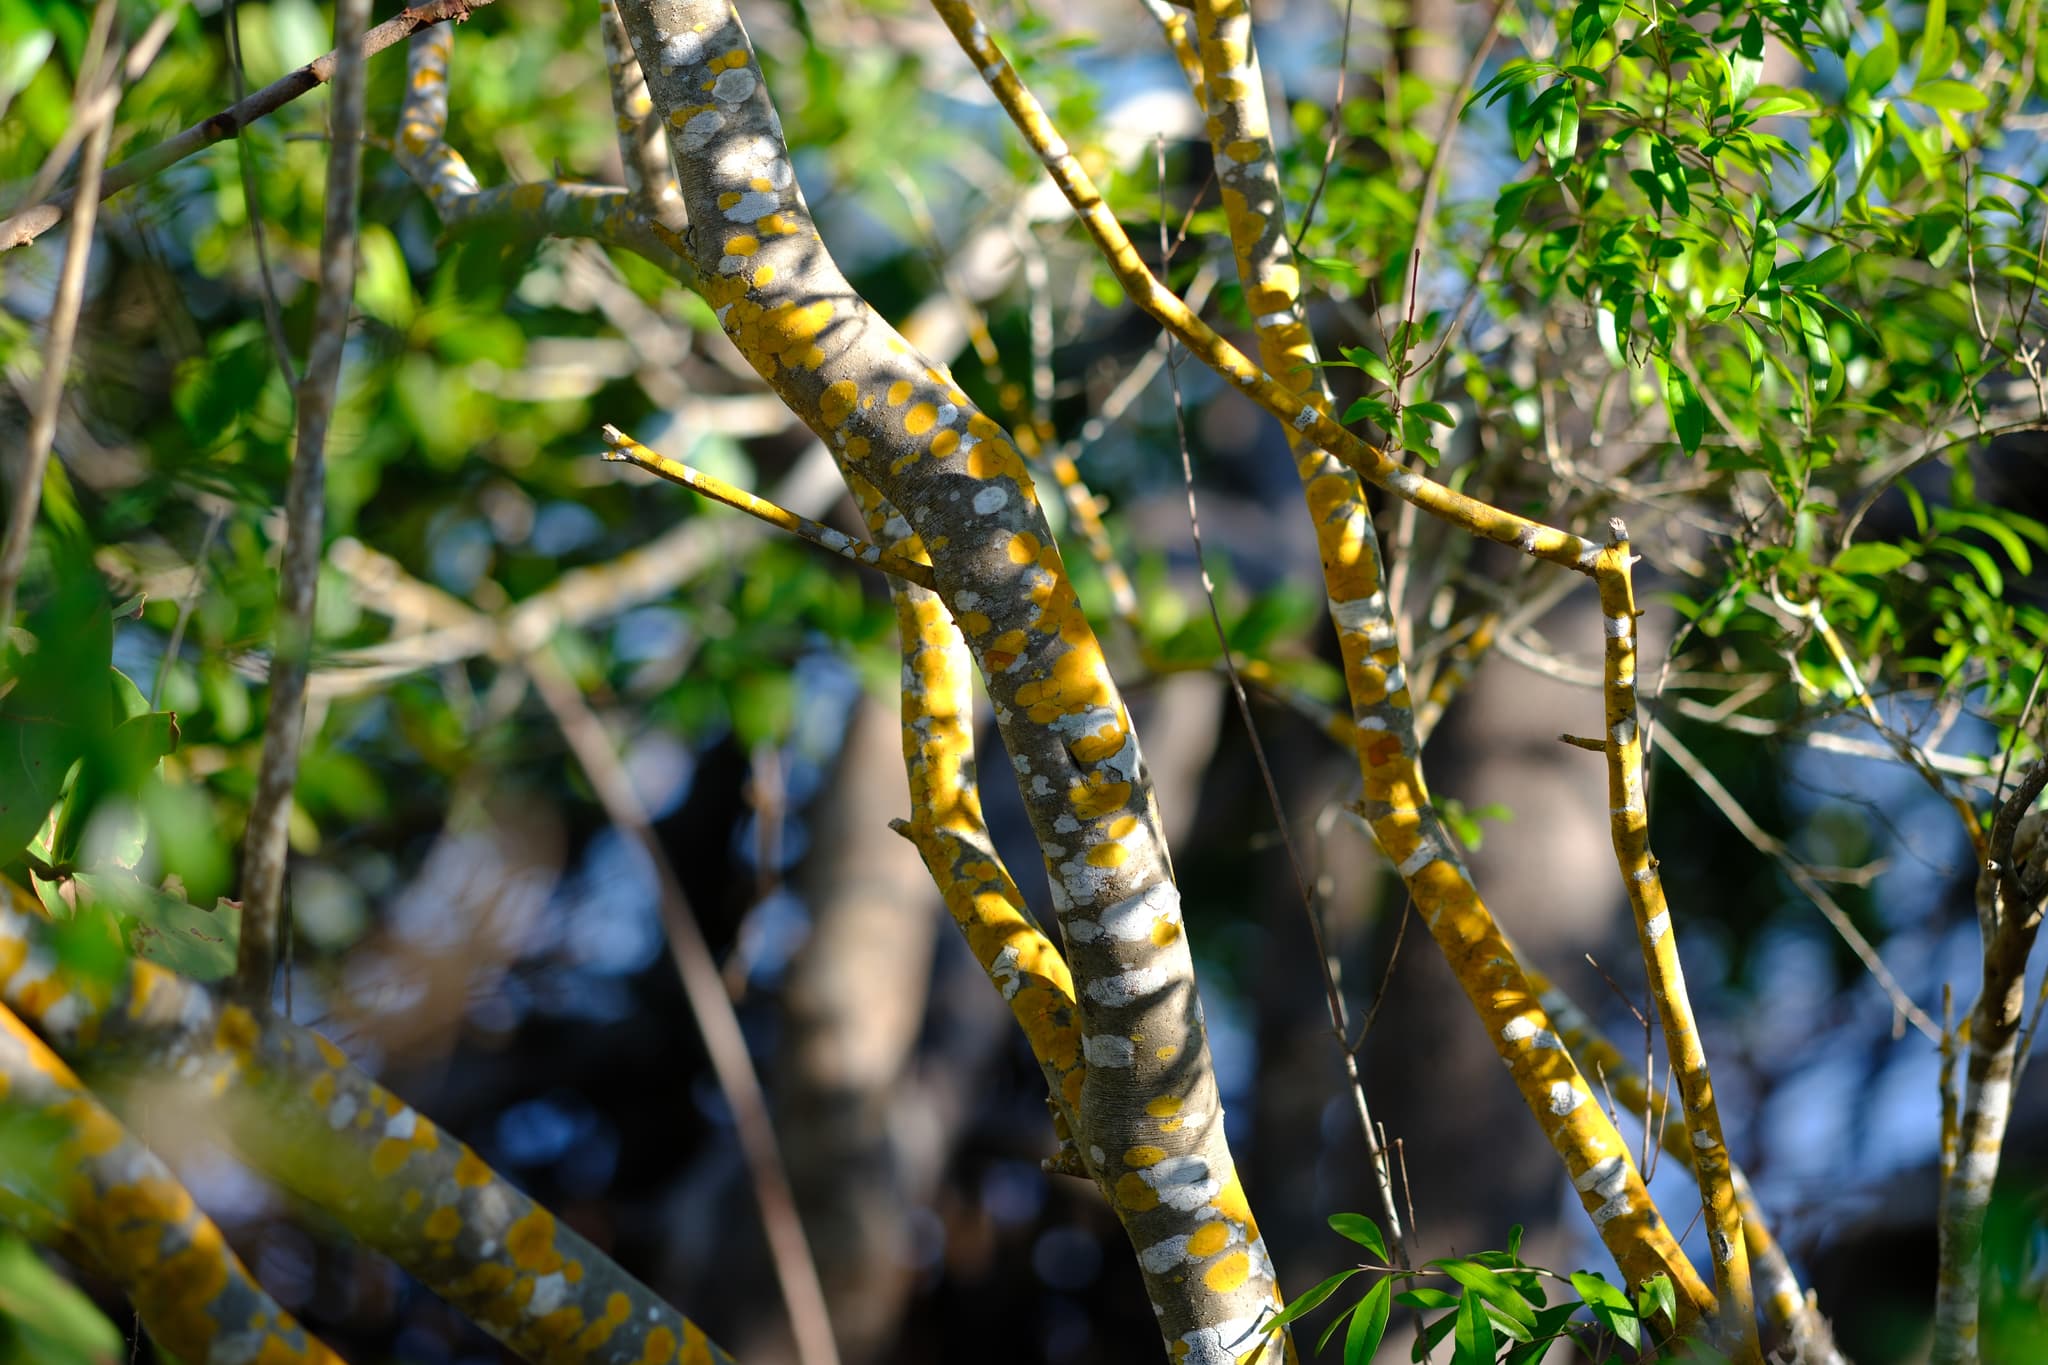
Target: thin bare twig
31	223
252	204
264	846
624	449
1725	802
63	330
710	1006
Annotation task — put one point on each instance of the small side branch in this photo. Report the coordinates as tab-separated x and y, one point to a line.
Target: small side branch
2012	893
1628	821
625	449
30	223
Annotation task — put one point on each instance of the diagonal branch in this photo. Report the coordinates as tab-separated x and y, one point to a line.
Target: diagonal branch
89	1186
291	1103
30	223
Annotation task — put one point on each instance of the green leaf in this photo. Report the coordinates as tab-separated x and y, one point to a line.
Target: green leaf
1932	31
1655	1297
1434	412
58	708
1472	1342
1747	65
1307	1303
1377	411
1335	1323
1825	268
1361	1230
47	1320
1369	1324
1954	96
1762	257
1489	1286
1688	413
1610	1307
1871	557
1426	1298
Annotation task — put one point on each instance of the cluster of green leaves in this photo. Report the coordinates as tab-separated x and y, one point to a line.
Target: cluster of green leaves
1495	1310
86	816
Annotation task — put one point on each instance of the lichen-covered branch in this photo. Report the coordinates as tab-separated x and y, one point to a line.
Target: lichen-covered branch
1396	806
1629	824
295	1108
1149	1125
74	1176
547	208
643	147
1788	1307
2012	894
624	448
1301	412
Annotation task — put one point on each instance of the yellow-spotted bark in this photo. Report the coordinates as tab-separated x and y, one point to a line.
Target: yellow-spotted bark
1396	805
296	1109
1148	1123
1629	823
81	1182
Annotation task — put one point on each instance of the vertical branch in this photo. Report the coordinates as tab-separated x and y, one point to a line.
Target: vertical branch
2012	893
1789	1307
643	147
63	329
1629	823
264	847
1396	806
802	1293
1150	1122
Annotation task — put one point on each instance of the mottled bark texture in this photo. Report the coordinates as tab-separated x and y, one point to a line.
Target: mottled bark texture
1149	1129
293	1106
1396	806
76	1178
1629	824
2012	893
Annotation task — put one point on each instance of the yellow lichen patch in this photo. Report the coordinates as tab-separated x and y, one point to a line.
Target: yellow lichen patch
531	1242
1168	1052
857	446
1229	1273
920	419
1144	1156
729	198
696	1346
470	1171
945	443
763	277
94	1131
993	457
322	1090
775	225
1004	649
236	1031
1094	798
1134	1194
559	1325
1208	1239
1230	1201
1122	828
1163	1106
444	1223
1164	931
1108	855
976	623
329	1053
741	244
835	405
659	1348
899	393
1022	548
389	1155
410	1201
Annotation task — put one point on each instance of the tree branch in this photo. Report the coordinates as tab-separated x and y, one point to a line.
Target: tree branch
30	223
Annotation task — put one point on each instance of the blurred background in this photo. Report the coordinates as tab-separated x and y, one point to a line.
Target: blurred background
468	925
